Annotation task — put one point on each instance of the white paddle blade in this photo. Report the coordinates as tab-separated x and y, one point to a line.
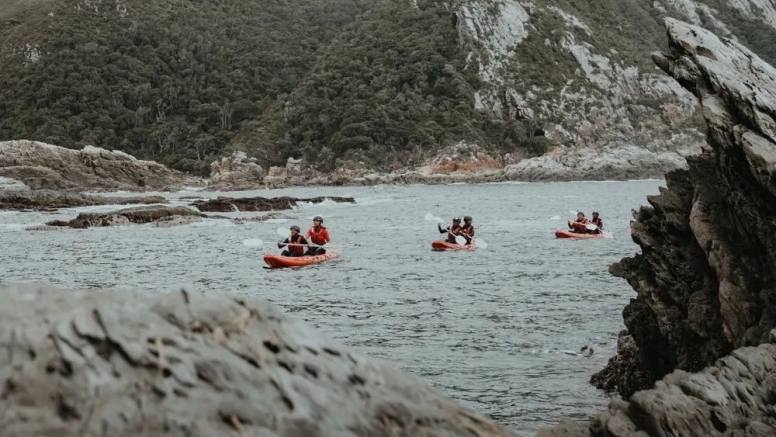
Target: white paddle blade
481	243
283	232
460	240
573	212
432	218
253	242
591	227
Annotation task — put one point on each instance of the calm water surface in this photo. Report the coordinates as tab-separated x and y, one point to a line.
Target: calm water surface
497	329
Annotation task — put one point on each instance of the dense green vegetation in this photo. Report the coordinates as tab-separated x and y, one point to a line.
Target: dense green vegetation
391	87
335	81
170	80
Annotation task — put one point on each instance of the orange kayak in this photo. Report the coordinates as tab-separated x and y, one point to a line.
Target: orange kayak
567	234
278	261
444	245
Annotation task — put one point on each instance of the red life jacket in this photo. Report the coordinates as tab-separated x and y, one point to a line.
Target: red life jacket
452	231
320	237
295	247
596	221
468	230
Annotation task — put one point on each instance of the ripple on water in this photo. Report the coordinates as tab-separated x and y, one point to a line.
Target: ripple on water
499	329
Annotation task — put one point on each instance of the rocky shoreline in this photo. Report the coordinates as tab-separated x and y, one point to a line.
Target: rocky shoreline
30	165
101	363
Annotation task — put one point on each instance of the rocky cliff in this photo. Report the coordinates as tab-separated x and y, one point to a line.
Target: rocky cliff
44	166
734	397
383	85
88	363
706	276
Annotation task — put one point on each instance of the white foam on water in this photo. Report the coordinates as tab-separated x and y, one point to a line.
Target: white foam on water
555	217
276	220
13	227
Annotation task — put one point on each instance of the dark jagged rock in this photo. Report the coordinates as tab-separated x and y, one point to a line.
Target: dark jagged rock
234	204
167	214
44	200
734	397
706	277
88	363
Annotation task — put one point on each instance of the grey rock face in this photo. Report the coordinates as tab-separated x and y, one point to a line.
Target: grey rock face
706	277
89	363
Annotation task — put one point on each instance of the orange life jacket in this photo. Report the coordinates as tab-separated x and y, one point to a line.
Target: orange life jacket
319	237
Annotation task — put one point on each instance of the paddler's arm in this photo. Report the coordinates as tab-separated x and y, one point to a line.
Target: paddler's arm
441	230
283	243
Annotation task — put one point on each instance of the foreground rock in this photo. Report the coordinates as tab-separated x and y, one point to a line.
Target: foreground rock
734	397
43	166
87	363
706	275
178	215
235	204
44	200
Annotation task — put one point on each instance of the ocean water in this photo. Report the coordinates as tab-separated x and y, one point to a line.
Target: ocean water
498	329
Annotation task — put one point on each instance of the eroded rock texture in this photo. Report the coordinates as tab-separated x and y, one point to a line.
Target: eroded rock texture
48	199
234	204
734	397
168	215
706	277
43	166
89	363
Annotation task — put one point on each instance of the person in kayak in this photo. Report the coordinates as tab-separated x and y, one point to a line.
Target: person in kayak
578	226
294	242
319	235
596	220
467	230
452	230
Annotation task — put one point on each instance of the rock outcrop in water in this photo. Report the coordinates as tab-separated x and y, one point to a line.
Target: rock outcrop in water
159	215
734	397
87	363
43	166
234	204
44	200
706	277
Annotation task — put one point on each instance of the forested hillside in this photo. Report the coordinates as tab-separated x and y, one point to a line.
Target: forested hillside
170	80
383	82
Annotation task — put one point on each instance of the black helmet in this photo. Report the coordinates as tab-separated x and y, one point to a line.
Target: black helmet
318	218
456	220
595	212
295	228
467	218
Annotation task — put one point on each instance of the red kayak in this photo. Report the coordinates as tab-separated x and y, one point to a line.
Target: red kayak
278	261
567	234
444	245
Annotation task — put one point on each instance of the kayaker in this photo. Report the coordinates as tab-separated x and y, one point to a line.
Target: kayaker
596	220
319	235
467	230
294	243
579	225
452	230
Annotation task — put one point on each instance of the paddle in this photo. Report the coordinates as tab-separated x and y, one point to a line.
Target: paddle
460	239
589	226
